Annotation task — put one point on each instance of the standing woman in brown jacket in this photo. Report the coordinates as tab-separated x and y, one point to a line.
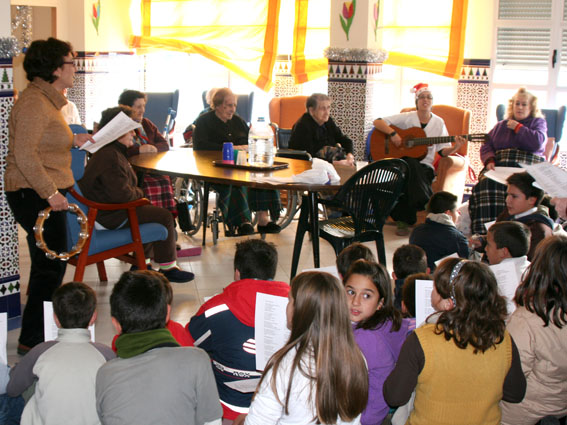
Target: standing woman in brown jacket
38	171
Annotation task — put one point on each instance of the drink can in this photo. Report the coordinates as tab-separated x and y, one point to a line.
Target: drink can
228	153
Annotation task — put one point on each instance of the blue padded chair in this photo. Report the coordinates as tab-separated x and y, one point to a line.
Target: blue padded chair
555	119
158	107
104	244
244	105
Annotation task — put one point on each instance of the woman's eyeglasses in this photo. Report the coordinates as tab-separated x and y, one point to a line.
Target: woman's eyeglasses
427	96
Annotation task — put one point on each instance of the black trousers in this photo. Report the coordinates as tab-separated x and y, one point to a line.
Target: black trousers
45	275
416	193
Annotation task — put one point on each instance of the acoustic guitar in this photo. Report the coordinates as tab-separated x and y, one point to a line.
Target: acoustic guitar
414	143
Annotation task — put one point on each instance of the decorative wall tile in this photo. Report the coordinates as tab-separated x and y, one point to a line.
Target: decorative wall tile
352	87
284	84
354	71
473	94
9	256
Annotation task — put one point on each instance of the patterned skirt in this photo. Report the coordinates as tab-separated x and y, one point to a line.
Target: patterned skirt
488	198
159	191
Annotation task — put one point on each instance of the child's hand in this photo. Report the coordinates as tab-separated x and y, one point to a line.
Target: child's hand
475	241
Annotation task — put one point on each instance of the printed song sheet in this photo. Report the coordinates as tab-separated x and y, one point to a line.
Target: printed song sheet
550	178
120	125
500	174
271	332
3	337
423	307
508	281
50	329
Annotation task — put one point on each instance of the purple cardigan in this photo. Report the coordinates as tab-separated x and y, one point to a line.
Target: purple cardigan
381	349
531	137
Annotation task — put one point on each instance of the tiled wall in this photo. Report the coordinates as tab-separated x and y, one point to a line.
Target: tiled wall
9	256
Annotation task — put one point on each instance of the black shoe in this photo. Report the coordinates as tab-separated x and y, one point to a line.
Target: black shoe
245	229
271	227
177	275
135	267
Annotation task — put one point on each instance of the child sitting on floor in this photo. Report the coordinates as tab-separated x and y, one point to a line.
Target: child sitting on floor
153	380
63	370
408	259
355	251
177	330
438	236
508	242
379	329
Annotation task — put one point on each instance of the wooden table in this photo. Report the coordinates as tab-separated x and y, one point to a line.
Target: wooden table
198	165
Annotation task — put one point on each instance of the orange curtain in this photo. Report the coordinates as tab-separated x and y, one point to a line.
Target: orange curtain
239	34
428	36
310	38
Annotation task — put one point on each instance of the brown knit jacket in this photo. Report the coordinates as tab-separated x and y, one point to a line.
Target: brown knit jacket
39	144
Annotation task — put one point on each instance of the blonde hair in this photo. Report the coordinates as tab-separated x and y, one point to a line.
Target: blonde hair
532	100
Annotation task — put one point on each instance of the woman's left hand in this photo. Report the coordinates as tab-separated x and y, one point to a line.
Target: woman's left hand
511	124
80	139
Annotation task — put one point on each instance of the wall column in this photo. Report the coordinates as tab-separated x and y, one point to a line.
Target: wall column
355	66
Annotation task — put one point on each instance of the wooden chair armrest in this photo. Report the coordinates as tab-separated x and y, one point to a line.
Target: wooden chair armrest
109	207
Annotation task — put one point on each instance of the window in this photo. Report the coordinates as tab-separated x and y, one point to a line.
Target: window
530	50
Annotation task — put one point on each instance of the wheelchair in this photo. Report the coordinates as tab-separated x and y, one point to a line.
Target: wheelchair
189	194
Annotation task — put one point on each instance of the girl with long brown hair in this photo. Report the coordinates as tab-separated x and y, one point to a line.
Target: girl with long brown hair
319	376
463	365
539	327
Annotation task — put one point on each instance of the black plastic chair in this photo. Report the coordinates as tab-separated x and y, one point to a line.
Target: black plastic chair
366	200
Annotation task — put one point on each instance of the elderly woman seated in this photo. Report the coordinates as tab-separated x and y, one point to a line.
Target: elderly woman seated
214	128
109	178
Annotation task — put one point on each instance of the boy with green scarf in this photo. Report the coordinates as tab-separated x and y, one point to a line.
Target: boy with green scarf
153	380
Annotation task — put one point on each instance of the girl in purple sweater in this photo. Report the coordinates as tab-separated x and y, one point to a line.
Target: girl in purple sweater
379	330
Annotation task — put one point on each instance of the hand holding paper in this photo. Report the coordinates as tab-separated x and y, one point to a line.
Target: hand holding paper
120	125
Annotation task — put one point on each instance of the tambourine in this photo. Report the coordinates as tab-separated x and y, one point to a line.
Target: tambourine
83	234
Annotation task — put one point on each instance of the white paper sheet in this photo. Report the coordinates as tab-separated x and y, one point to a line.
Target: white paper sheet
550	178
244	386
489	224
50	329
500	174
117	127
330	269
423	307
508	281
3	337
453	255
271	332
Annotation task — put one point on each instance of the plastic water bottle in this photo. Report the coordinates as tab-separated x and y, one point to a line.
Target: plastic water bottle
261	144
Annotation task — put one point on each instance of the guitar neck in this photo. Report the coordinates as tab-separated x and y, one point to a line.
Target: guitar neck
435	140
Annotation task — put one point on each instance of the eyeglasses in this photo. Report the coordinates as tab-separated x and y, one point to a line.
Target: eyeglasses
428	97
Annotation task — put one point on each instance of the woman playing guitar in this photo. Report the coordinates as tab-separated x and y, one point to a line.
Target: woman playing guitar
422	172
